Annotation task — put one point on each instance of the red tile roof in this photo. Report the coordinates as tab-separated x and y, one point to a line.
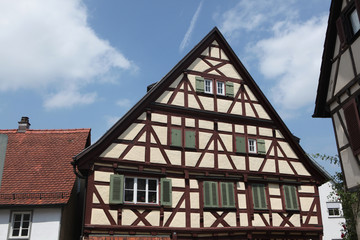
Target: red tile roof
37	167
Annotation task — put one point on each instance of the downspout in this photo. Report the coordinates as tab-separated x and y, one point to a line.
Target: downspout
79	175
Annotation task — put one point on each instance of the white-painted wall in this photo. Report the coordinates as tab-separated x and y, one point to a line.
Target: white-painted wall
332	225
45	223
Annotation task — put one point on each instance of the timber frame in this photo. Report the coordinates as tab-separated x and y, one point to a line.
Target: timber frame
141	145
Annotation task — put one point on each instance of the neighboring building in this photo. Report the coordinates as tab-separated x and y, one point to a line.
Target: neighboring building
38	187
203	155
331	212
338	94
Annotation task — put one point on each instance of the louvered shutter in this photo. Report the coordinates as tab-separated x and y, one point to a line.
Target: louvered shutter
210	194
166	192
199	84
261	146
353	125
340	30
190	139
116	189
176	137
229	89
291	201
240	145
227	194
259	197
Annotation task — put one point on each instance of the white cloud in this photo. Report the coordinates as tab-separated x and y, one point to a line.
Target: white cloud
292	58
111	120
188	33
68	98
254	15
123	103
49	44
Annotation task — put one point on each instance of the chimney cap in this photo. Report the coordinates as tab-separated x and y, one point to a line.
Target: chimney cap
24	124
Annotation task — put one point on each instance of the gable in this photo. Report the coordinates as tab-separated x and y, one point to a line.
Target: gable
178	123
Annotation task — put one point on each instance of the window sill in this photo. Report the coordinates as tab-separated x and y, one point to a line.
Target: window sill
220	208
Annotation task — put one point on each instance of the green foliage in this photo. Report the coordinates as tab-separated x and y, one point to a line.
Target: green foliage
350	201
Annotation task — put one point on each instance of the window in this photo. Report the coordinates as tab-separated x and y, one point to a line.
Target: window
259	196
354	20
211	194
139	190
208	86
334	212
334	209
176	138
348	24
352	119
220	88
20	225
290	195
254	145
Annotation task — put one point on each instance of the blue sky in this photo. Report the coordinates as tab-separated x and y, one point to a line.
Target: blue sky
85	63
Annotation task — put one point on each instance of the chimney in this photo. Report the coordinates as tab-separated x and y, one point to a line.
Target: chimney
24	124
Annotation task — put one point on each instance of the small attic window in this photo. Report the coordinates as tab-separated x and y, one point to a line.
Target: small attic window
208	86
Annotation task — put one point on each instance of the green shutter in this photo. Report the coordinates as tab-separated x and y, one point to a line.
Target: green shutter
210	194
224	195
199	84
259	196
116	189
290	197
261	146
240	145
229	89
227	194
166	192
190	139
176	137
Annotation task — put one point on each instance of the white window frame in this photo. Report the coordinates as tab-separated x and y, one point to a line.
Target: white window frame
22	213
252	145
208	86
338	209
220	88
135	191
354	20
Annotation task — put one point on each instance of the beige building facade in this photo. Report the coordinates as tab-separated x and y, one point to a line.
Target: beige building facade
203	155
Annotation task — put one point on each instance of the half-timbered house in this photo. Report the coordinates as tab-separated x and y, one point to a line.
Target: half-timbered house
203	155
338	94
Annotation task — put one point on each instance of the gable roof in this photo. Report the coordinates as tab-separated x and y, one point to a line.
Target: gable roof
321	108
83	159
37	169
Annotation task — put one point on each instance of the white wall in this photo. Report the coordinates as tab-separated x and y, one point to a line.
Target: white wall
45	223
4	223
332	225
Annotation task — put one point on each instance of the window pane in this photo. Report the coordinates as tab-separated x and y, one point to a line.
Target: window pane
152	184
140	196
129	183
15	232
17	217
24	232
355	24
26	217
25	224
129	195
141	184
152	197
17	224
